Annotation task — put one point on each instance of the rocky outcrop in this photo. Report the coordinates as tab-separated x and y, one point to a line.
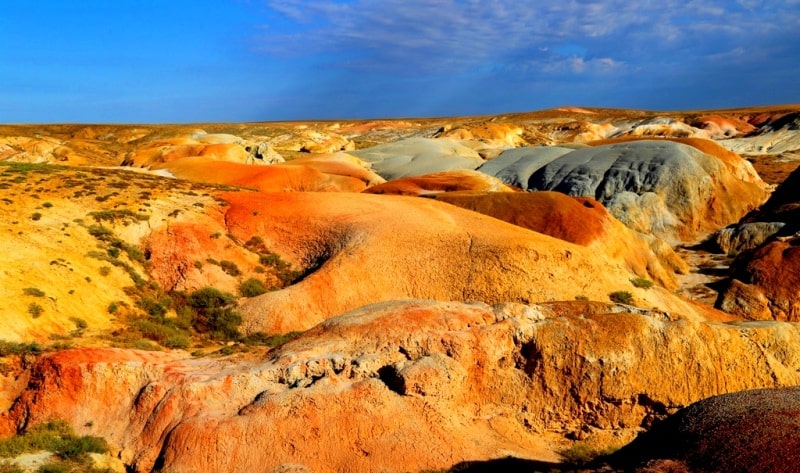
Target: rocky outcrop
449	381
737	238
753	431
765	282
419	156
671	190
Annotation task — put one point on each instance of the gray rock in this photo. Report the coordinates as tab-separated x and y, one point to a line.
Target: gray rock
515	166
737	238
655	186
419	156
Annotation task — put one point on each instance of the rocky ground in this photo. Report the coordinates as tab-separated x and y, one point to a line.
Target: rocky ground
526	292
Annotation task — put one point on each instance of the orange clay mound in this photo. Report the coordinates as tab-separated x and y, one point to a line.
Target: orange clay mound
273	178
338	164
399	247
447	181
579	220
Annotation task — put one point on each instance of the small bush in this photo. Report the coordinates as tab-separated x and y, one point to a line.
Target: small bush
621	297
15	348
642	283
261	338
32	291
80	324
47	205
104	271
230	268
35	310
113	308
100	232
581	453
36	216
10	467
252	288
581	298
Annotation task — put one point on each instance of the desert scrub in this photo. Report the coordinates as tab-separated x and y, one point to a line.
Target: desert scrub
32	291
113	215
642	283
35	310
230	268
581	453
252	288
36	216
53	436
214	313
16	348
272	341
621	297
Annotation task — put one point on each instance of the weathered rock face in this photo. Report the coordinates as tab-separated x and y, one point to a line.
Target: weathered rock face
579	220
671	190
737	238
516	166
419	156
768	282
750	431
400	247
449	381
447	181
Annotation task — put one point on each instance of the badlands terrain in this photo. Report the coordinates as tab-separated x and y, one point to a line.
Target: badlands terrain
574	289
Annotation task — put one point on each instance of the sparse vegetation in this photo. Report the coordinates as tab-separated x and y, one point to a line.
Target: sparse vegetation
32	291
621	297
53	436
113	215
581	298
582	453
642	283
275	340
36	216
35	310
14	348
252	288
230	268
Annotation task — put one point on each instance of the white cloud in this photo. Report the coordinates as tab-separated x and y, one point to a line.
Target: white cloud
451	36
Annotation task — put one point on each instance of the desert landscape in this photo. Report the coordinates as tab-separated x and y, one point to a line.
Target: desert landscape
572	289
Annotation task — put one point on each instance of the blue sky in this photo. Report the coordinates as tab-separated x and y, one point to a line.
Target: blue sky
157	61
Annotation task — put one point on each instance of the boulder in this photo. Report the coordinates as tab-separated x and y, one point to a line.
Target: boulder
765	282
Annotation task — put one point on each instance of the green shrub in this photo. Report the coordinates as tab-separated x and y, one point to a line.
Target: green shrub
113	308
642	283
581	298
36	216
214	314
621	297
35	310
230	268
100	232
80	324
16	348
261	338
47	205
32	291
581	453
252	288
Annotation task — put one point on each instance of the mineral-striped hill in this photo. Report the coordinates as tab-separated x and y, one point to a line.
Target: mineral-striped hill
394	295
